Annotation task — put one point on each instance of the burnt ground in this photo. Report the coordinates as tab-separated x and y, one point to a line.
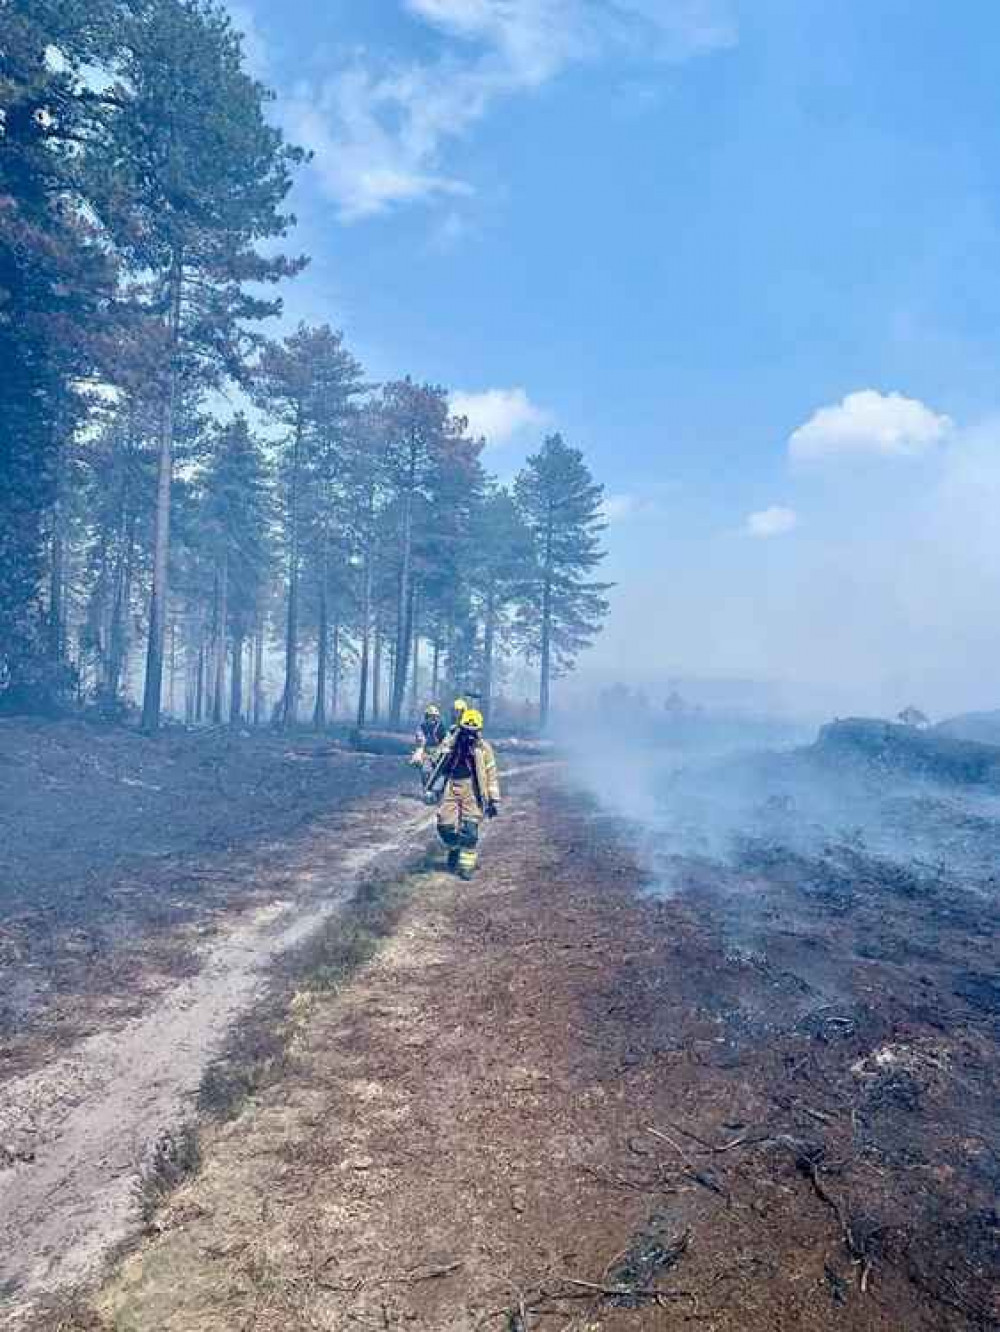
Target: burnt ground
561	1099
120	856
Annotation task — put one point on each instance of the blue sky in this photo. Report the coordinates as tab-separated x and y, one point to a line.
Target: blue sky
681	231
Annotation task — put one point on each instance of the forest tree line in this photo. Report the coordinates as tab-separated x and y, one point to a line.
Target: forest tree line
153	540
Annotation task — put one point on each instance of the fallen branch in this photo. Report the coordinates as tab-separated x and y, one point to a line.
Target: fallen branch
431	1274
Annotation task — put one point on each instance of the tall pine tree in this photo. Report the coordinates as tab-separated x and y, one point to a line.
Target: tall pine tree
502	561
198	179
236	529
563	608
55	283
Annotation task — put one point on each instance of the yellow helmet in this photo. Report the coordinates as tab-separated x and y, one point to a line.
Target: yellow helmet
472	720
432	710
460	707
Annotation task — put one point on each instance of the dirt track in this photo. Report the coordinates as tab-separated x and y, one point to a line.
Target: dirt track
558	1099
81	1128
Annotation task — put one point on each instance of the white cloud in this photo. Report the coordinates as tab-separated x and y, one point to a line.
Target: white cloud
872	423
379	133
619	508
365	162
772	522
498	414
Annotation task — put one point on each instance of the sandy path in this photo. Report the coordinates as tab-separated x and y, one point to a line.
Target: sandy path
91	1118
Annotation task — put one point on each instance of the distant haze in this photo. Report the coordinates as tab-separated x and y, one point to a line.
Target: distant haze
885	592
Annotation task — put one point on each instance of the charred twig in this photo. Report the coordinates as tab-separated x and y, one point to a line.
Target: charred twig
716	1149
654	1293
702	1177
518	1321
820	1116
672	1142
640	1186
808	1163
746	1140
354	1285
858	1245
688	1133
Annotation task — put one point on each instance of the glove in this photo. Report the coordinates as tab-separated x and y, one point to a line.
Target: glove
492	809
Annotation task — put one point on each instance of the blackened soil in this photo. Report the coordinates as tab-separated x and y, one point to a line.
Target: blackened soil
119	853
563	1099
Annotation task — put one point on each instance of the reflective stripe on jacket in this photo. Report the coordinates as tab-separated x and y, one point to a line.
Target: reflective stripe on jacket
487	774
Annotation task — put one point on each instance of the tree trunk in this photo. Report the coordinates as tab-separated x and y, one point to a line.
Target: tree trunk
221	625
236	687
415	684
172	680
117	639
436	668
190	677
248	686
322	653
546	671
57	587
377	672
188	686
366	620
258	672
404	609
362	715
290	698
199	693
153	685
489	646
335	693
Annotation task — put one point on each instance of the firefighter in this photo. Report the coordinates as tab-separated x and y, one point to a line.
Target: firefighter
458	710
430	736
468	768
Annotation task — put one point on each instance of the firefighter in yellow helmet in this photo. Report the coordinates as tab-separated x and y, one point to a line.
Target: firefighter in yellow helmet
458	710
431	734
468	768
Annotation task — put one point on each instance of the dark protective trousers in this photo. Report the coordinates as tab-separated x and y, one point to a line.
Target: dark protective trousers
459	819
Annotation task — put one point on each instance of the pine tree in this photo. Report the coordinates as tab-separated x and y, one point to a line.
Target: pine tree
427	451
236	521
118	486
366	506
55	280
561	506
503	565
195	180
331	438
308	384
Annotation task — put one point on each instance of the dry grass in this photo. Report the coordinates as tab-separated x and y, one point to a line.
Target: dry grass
257	1054
176	1156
